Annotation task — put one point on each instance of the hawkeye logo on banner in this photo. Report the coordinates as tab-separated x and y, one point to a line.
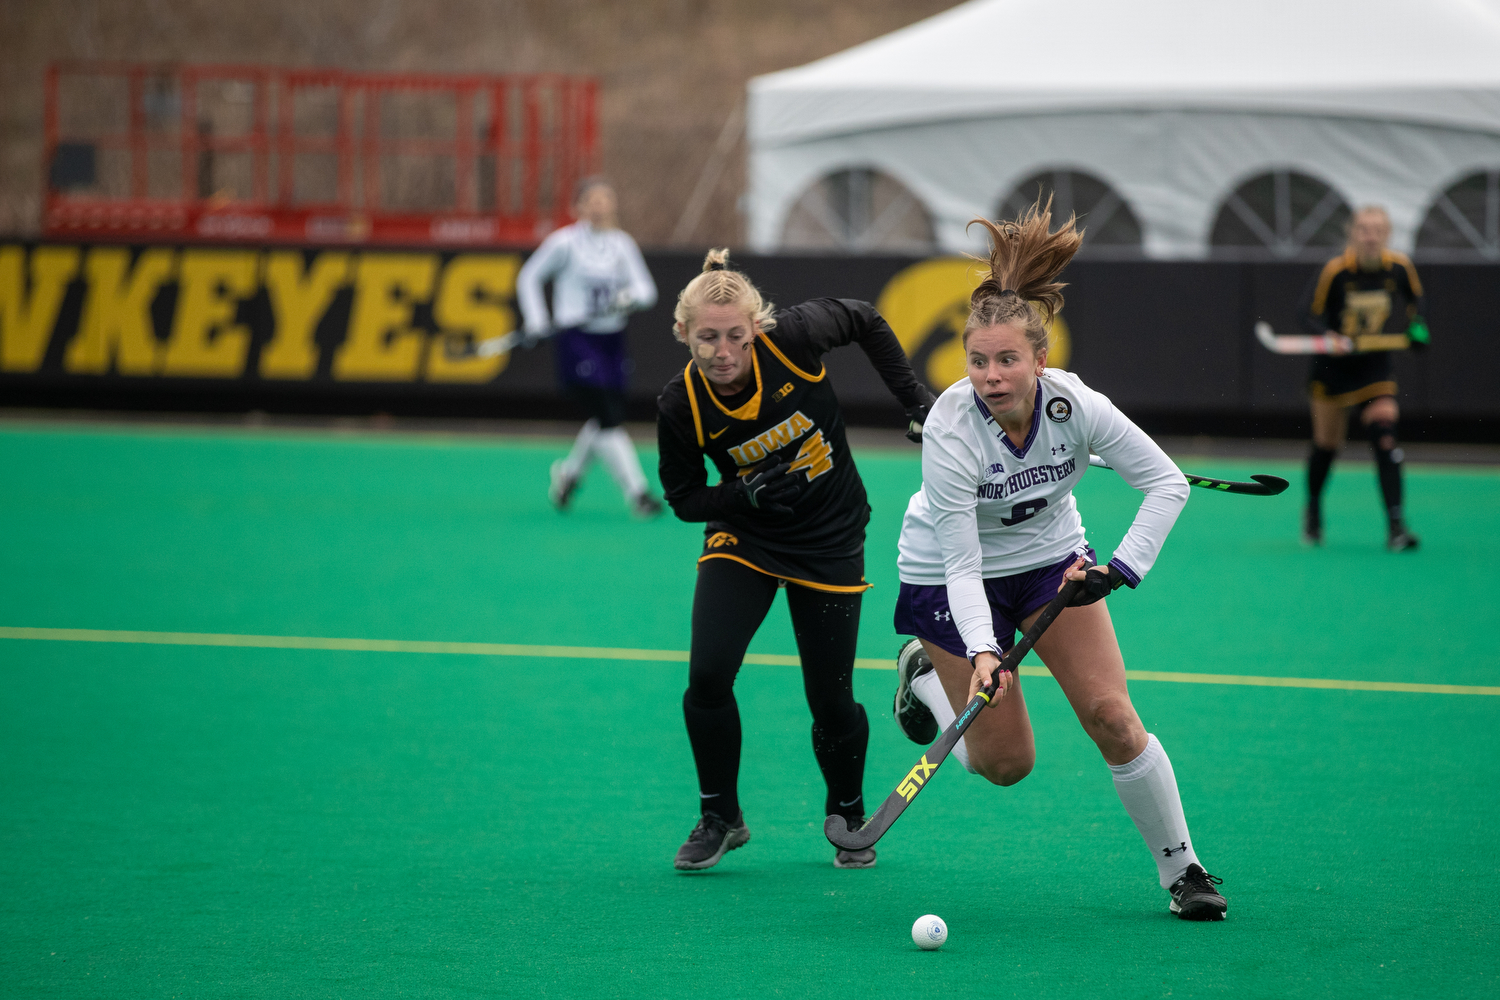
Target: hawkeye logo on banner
271	314
927	305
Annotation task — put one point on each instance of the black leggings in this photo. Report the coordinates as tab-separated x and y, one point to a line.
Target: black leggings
729	605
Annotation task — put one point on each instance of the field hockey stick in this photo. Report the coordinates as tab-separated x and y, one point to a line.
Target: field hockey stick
1328	343
1264	486
457	345
836	828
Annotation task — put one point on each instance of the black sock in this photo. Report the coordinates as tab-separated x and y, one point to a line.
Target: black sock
1319	463
1388	459
841	757
715	735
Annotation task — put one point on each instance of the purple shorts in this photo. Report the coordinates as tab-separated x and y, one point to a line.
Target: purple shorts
922	610
595	360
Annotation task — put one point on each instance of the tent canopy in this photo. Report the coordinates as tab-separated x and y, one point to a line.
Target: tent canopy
1173	104
1431	61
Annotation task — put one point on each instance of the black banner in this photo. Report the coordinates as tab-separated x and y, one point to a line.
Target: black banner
338	330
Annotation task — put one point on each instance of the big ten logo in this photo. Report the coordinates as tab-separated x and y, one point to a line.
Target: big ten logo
927	305
719	539
915	779
227	313
782	393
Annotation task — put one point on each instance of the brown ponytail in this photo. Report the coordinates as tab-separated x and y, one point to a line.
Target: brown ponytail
719	284
1026	257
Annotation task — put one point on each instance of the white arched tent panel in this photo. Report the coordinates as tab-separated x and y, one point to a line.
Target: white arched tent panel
1172	102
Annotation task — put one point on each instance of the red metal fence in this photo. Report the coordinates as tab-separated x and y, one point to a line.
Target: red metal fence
320	156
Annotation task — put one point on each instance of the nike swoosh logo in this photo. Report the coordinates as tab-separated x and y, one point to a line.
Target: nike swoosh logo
712	435
850	802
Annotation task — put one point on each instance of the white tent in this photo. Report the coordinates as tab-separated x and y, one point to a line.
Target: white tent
1172	103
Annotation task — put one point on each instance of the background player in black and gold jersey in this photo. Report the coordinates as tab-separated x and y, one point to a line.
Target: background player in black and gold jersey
1367	290
789	510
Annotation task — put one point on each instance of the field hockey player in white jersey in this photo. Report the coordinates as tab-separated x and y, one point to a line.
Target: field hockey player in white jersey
994	532
598	278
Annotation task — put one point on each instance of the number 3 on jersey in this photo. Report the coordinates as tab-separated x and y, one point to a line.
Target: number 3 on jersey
1024	512
814	458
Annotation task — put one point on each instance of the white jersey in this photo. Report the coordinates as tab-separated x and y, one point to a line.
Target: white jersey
989	509
597	275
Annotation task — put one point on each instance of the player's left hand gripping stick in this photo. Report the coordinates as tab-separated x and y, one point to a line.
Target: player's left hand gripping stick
770	490
836	828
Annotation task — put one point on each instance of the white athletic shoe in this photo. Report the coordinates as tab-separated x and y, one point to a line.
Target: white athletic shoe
563	486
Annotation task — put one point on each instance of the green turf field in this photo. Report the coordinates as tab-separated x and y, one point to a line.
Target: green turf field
199	821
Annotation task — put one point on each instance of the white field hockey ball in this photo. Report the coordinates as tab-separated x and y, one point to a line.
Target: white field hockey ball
929	932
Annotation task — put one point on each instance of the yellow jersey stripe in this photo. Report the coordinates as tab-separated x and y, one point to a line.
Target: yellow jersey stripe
750	410
687	379
795	370
827	587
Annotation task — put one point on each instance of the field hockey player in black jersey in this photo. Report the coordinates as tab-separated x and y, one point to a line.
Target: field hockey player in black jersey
789	511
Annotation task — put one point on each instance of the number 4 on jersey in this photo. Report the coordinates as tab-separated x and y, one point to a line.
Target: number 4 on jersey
815	457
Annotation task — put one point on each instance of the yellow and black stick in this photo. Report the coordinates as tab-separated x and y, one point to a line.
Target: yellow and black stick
836	828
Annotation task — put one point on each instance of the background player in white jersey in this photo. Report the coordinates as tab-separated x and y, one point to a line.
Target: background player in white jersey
598	278
994	531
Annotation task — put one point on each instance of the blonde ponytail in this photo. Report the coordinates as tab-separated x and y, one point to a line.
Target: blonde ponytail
1026	257
719	285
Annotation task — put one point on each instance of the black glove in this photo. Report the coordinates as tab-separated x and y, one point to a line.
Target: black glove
1096	586
916	416
769	490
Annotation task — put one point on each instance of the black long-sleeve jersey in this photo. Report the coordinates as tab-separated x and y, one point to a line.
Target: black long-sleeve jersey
1349	299
788	412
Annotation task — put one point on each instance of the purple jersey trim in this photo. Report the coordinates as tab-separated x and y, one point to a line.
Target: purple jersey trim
1131	577
1036	415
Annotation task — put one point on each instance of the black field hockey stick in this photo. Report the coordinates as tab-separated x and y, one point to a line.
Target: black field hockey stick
836	828
1264	486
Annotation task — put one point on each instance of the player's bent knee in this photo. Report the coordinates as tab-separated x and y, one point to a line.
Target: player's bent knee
1113	725
1005	771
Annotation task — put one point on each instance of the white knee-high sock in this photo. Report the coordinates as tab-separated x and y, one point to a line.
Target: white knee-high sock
583	450
929	691
619	456
1148	788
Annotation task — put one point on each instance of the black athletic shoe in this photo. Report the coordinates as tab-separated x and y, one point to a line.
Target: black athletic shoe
1195	898
710	840
645	505
914	718
855	859
1400	539
561	489
1312	526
